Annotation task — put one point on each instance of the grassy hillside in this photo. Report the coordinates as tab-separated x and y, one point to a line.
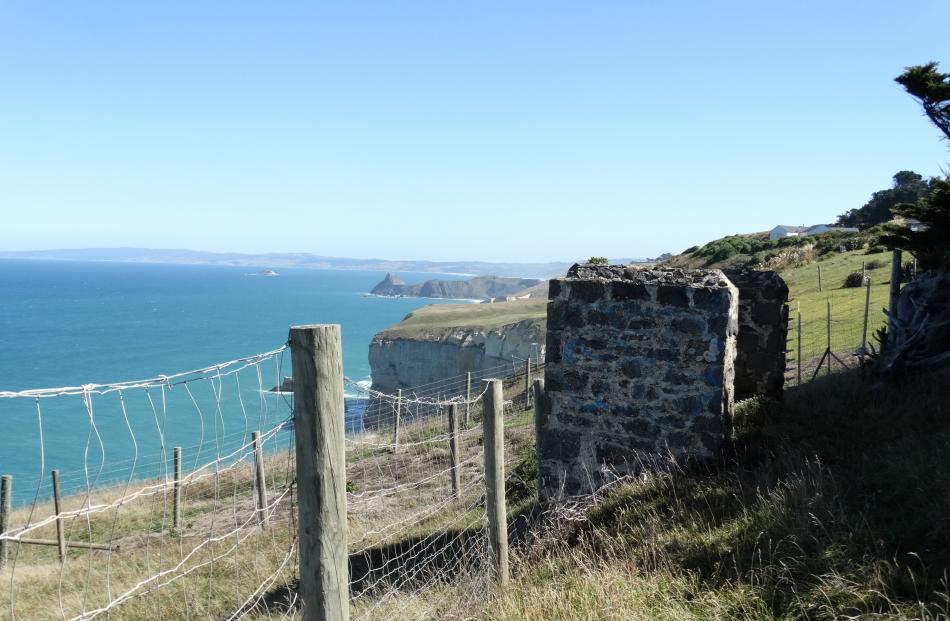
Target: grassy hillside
832	506
798	261
847	303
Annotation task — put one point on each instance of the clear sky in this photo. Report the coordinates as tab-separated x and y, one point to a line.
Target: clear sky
485	129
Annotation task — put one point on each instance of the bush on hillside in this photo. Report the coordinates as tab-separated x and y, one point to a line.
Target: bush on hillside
854	279
876	249
874	264
691	250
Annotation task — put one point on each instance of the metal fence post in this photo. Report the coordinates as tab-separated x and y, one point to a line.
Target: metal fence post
527	383
176	490
828	310
799	357
895	289
6	492
60	523
321	471
468	398
864	331
454	450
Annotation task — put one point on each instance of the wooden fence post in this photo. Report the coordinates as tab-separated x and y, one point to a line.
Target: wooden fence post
864	332
321	471
819	278
176	490
454	450
895	289
538	423
60	523
493	429
396	416
259	482
468	399
6	492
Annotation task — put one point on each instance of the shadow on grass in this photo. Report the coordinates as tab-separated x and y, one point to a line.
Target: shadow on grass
833	503
408	565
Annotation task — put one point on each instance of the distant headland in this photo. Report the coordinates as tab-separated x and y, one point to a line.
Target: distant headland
477	288
305	260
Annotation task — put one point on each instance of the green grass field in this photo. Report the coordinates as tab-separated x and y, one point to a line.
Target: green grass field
847	304
441	317
805	299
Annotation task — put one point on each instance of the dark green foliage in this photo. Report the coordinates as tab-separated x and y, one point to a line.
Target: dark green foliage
932	89
854	279
691	250
598	261
874	264
908	187
760	248
931	244
876	249
728	247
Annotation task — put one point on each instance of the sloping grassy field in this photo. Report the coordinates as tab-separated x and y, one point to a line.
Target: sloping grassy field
847	303
440	317
832	506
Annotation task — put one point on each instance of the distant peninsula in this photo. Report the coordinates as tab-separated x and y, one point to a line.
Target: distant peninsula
478	288
278	260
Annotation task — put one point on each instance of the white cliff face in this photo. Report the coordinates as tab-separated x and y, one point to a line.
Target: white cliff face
407	362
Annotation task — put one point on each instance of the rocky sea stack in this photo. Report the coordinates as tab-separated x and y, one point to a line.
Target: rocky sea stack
478	288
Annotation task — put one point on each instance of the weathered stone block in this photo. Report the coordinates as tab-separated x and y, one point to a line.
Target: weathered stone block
763	333
642	366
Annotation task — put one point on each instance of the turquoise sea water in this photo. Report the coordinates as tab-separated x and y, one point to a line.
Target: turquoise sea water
69	324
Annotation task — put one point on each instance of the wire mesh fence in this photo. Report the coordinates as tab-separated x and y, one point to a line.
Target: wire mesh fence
169	497
834	318
175	497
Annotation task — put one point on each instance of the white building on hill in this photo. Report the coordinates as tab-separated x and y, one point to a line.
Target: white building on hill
782	231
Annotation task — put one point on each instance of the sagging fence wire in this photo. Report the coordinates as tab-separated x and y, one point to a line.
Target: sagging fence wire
161	510
117	531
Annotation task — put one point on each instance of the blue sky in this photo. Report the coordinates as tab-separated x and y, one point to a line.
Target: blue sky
452	130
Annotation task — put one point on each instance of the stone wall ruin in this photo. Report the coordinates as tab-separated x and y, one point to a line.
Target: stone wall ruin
646	363
639	362
763	333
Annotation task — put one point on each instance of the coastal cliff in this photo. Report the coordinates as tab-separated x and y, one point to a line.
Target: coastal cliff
441	341
478	288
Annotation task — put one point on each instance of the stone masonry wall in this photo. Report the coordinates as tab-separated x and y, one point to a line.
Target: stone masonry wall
763	333
639	363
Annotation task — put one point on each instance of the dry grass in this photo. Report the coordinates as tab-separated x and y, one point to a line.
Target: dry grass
833	505
394	497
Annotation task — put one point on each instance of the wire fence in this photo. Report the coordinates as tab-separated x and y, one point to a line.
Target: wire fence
836	313
175	497
111	514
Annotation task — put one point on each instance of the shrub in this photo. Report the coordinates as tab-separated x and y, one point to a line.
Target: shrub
877	249
854	279
874	264
691	250
598	261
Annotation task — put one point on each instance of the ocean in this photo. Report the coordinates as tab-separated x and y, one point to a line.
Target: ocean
73	323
